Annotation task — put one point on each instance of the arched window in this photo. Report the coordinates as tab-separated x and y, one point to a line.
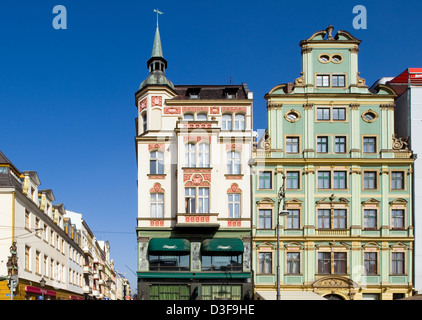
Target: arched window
233	162
156	162
157	205
188	117
190	155
201	117
203	155
239	122
226	122
234	205
144	122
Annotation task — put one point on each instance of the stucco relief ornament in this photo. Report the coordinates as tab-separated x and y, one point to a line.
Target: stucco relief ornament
156	101
399	143
300	81
197	179
266	142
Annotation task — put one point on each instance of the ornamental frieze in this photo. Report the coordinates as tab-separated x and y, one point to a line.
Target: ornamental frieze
172	110
156	101
233	109
142	104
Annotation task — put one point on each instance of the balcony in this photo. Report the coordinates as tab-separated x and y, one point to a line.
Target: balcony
87	289
87	270
87	250
207	220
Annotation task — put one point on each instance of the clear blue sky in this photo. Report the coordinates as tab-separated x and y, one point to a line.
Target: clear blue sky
67	96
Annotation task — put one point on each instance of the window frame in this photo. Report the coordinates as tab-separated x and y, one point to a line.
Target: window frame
267	216
292	144
264	262
375	144
157	162
403	180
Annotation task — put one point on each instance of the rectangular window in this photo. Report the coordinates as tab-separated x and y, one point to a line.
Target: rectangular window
397	219
169	292
340	180
323	114
203	200
338	80
339	114
370	180
293	219
370	262
292	144
233	162
234	205
397	263
339	219
370	218
369	144
324	217
228	262
166	262
156	163
324	263
324	180
265	263
340	262
265	217
323	80
293	263
340	145
292	180
221	292
157	205
265	180
322	144
27	258
190	200
397	180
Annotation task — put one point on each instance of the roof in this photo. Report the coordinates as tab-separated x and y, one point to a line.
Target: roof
211	92
409	77
5	160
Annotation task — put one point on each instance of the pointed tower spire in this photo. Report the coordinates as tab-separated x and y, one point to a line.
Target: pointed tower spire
157	65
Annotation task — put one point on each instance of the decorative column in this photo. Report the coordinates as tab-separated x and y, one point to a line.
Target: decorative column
355	142
309	201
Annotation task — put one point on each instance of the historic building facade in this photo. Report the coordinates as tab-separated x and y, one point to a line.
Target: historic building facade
331	146
193	144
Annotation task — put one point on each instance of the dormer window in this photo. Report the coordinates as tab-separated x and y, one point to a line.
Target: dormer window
338	80
323	80
230	93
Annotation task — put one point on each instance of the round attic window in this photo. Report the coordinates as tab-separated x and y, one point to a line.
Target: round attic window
292	115
324	58
337	58
369	116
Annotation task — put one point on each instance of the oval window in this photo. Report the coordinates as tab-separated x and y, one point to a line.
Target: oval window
324	58
337	58
292	116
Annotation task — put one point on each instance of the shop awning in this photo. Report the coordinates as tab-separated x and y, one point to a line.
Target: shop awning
40	291
223	245
290	295
168	245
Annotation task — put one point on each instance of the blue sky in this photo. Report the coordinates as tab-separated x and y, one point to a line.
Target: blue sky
67	96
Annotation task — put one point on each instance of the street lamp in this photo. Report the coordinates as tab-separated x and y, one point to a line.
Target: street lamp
42	284
281	196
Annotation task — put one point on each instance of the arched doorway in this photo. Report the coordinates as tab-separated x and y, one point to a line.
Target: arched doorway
333	297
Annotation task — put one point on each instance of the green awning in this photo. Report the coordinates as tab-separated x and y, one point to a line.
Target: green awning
223	245
168	245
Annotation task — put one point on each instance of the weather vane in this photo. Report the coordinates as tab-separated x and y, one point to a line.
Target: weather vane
158	12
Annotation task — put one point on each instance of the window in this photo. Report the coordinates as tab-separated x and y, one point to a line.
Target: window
340	144
397	180
156	162
144	122
27	258
340	180
265	180
332	262
197	200
338	80
265	263
239	122
339	114
293	219
233	162
190	155
37	262
397	263
157	205
370	263
324	180
201	117
234	205
397	219
369	144
203	155
222	263
292	144
169	292
221	292
324	262
322	144
188	117
226	122
323	80
293	263
264	219
27	219
370	218
165	262
332	218
370	180
292	180
323	114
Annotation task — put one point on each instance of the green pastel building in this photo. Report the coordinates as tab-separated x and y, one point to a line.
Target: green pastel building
347	182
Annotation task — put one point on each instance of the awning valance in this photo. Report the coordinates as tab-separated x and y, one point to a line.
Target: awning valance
168	245
223	245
